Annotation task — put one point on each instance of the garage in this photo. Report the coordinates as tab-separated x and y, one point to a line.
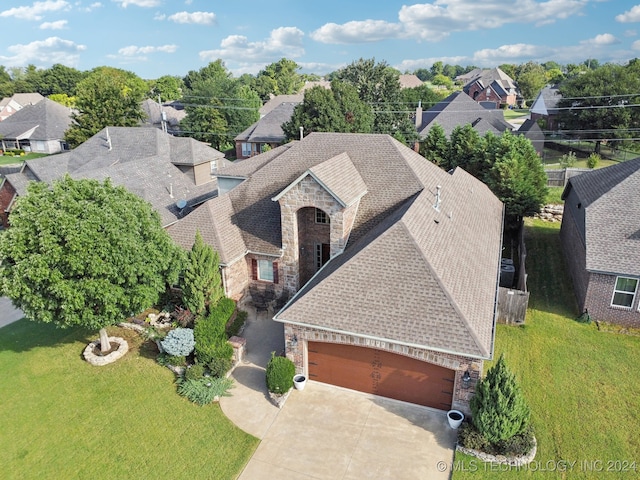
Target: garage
381	373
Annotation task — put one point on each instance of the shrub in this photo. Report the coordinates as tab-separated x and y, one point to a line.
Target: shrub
205	390
238	322
179	341
219	366
568	160
175	360
593	160
469	437
520	444
280	372
194	372
499	410
210	336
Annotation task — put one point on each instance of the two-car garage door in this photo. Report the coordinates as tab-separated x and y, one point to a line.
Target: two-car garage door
381	373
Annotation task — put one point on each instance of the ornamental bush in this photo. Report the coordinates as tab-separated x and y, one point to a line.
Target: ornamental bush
593	160
499	410
179	342
210	335
194	372
204	390
280	372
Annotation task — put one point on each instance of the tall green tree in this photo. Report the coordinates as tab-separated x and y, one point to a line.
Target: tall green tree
531	78
167	87
218	106
284	77
498	409
435	146
338	109
106	97
202	283
7	88
597	104
60	79
27	79
85	253
466	150
378	85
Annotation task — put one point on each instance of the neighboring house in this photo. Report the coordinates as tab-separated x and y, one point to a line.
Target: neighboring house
383	267
409	81
459	109
163	116
10	105
36	128
174	174
600	237
531	130
316	83
266	131
277	100
493	87
545	107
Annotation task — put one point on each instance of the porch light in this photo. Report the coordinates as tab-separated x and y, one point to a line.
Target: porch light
294	341
466	379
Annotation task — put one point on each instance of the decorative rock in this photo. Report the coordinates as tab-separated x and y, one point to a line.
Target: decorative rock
279	399
501	459
99	360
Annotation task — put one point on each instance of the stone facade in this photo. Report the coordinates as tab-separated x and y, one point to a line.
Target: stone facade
296	338
235	278
309	193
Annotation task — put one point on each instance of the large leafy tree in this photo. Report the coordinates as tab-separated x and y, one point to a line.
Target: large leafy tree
6	83
279	78
106	97
218	106
338	109
167	87
85	253
60	79
499	410
597	105
202	283
378	85
435	146
531	78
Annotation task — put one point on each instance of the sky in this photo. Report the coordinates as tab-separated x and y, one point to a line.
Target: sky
153	38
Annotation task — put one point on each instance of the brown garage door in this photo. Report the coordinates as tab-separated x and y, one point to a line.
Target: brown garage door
381	373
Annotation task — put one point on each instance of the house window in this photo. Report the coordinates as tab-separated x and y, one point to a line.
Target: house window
321	216
624	292
246	149
265	270
322	254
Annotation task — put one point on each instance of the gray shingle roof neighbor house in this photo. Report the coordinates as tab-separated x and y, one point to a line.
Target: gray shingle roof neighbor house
158	167
38	128
10	105
600	236
164	117
458	109
409	81
269	128
420	265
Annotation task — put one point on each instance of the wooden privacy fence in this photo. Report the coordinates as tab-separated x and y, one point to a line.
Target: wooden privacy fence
512	306
560	177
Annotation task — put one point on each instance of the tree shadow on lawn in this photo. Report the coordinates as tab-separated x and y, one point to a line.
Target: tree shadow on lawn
24	335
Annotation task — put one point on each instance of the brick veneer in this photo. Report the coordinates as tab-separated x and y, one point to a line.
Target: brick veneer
7	192
598	302
461	395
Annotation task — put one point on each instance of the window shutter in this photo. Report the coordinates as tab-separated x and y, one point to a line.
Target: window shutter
275	272
254	268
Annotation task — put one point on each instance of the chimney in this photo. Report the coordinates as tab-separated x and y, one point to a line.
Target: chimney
419	116
301	132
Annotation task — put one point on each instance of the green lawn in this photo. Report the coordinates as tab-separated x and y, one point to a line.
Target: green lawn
580	383
510	114
61	418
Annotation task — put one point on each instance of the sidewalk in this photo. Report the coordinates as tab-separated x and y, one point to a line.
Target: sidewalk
249	406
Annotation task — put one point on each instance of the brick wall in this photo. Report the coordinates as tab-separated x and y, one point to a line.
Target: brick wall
7	192
598	302
461	394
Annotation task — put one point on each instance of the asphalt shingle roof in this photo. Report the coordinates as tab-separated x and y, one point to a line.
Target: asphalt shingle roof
459	109
140	159
409	273
610	197
45	120
269	127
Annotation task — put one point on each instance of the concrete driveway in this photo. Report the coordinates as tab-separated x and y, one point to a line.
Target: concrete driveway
8	313
326	432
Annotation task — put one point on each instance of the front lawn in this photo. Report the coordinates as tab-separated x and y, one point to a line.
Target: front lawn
580	382
61	418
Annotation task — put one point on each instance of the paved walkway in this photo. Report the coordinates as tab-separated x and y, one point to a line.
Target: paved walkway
8	313
327	432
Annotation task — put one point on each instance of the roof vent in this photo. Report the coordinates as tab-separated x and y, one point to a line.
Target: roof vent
181	203
437	204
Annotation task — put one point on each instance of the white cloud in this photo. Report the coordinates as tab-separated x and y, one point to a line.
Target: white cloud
198	18
58	25
357	32
49	51
436	20
35	11
509	53
283	42
138	3
630	16
602	39
636	46
411	65
133	50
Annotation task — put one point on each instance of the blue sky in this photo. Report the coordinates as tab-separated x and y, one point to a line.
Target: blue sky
171	37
